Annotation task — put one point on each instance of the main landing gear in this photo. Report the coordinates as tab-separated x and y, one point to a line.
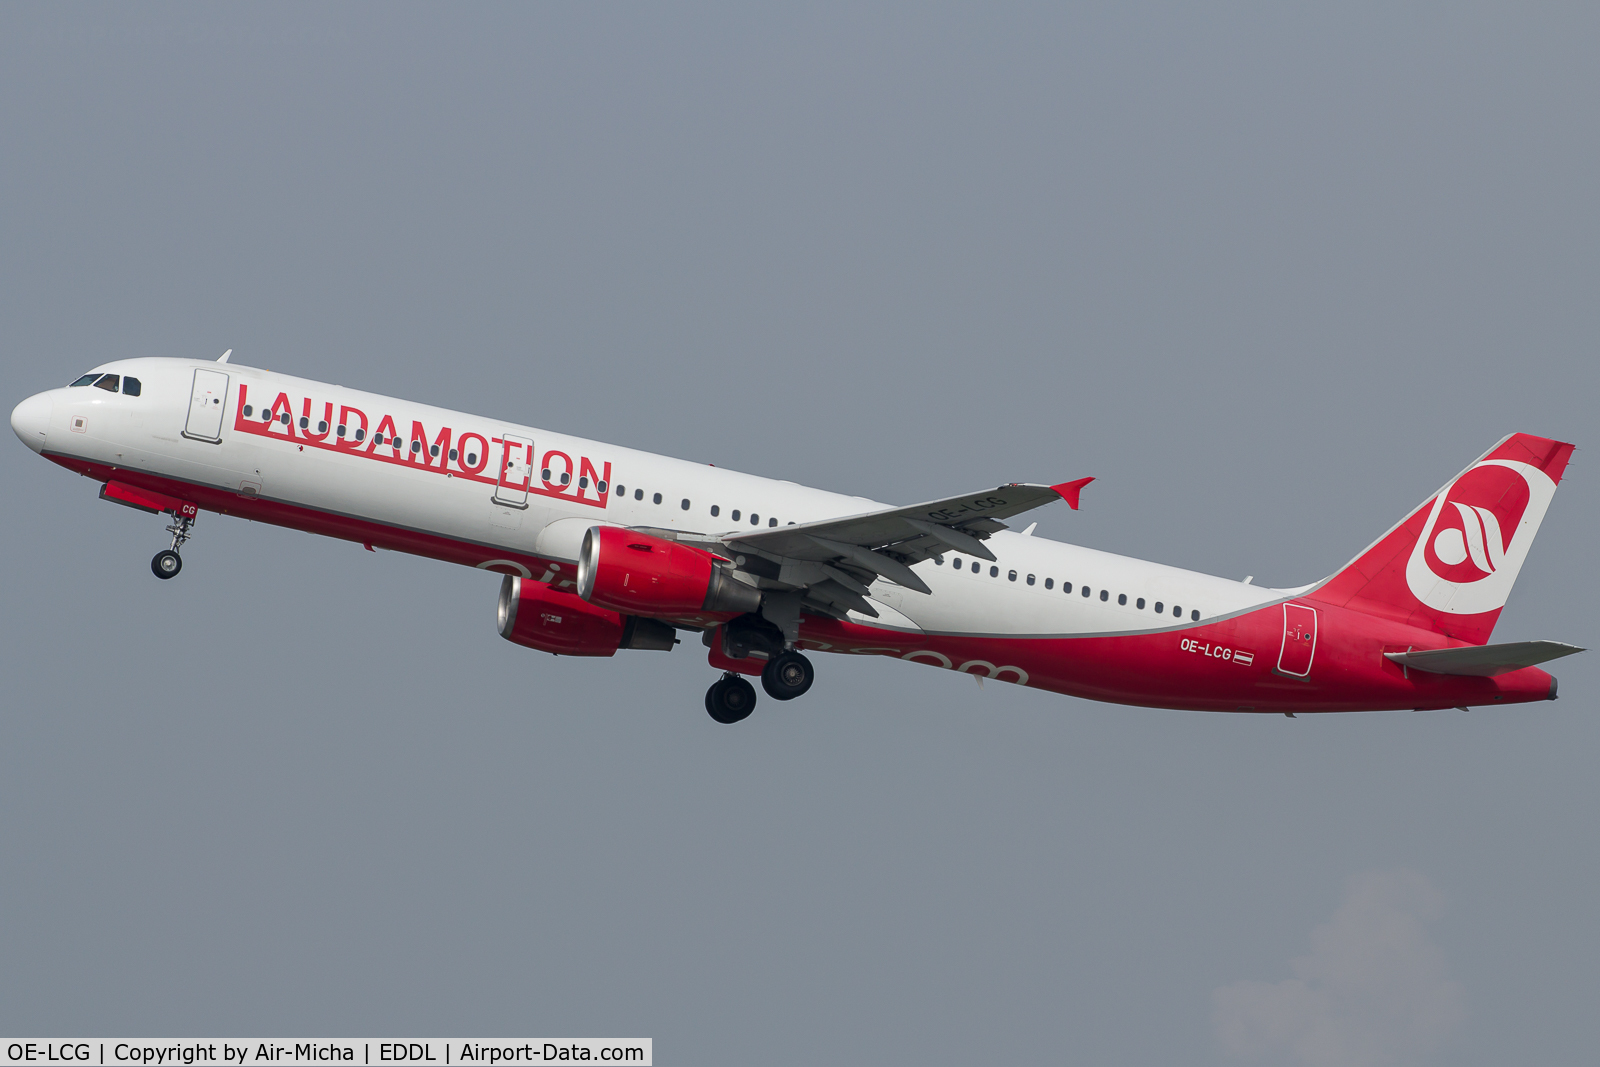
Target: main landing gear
730	699
786	676
167	563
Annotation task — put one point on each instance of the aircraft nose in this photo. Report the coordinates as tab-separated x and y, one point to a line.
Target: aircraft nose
30	419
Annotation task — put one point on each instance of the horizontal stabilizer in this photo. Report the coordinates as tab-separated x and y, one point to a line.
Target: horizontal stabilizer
1484	660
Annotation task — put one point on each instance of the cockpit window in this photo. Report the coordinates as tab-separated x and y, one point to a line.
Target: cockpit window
87	379
130	387
108	382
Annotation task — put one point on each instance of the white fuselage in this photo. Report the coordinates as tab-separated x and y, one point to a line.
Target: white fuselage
372	488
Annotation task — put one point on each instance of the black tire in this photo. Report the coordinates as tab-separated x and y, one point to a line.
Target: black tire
166	564
731	700
787	676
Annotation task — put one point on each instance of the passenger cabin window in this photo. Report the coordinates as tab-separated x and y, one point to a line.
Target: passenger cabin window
1177	611
472	457
657	498
638	494
755	520
108	382
1122	599
1159	608
715	510
1104	596
1086	590
956	563
87	379
600	487
452	451
1194	616
1030	579
130	387
433	450
284	418
304	422
362	433
583	483
772	522
974	566
622	490
322	427
250	410
685	504
1139	603
1049	583
735	514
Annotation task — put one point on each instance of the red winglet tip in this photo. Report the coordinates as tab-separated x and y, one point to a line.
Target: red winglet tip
1069	491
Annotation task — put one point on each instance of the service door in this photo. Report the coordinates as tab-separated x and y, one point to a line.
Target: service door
1299	640
206	402
516	468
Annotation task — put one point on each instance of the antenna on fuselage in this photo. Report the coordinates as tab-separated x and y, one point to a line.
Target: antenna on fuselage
224	357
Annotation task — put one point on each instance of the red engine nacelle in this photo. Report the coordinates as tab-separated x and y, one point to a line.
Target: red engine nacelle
533	614
643	575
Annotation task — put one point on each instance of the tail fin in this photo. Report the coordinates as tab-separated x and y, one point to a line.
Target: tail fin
1449	565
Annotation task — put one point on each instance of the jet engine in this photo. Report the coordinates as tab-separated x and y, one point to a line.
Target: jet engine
633	572
533	614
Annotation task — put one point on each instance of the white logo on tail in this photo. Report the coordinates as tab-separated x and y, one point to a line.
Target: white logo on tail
1477	536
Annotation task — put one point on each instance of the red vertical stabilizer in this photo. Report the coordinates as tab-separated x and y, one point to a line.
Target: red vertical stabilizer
1449	565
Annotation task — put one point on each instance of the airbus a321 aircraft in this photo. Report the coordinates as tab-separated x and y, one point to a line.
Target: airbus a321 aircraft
605	548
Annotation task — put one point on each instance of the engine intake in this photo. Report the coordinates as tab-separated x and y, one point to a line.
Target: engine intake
633	572
533	614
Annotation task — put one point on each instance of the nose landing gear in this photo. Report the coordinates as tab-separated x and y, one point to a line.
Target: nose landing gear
167	563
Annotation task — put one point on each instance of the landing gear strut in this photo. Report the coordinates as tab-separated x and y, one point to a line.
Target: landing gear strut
167	563
730	699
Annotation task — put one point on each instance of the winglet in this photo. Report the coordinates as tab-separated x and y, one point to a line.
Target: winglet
224	357
1069	491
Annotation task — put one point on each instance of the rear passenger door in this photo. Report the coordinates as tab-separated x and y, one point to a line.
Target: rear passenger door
206	400
1299	640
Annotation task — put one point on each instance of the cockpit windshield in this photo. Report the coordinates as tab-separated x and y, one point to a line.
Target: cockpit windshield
109	382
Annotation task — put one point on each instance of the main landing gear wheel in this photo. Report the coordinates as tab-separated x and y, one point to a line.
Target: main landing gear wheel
730	699
166	564
787	676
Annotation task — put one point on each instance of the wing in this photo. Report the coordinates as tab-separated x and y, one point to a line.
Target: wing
831	563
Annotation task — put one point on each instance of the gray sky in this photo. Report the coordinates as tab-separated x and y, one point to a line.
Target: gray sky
1271	274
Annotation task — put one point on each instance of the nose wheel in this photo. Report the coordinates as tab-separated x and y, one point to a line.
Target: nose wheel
730	699
167	563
